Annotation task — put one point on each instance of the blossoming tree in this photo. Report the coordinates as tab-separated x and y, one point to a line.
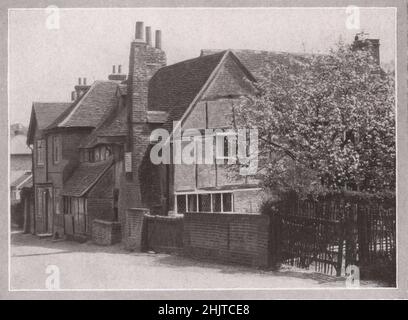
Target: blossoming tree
324	121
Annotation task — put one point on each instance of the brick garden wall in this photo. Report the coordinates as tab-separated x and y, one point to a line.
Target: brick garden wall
106	233
163	233
238	238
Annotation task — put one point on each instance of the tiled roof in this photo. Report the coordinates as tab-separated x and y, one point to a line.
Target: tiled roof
84	177
256	60
91	108
22	179
174	87
115	125
47	112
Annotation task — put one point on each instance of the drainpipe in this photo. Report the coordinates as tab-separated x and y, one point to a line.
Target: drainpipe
33	178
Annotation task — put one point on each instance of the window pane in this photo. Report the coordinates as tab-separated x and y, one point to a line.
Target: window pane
103	153
227	202
192	203
216	199
181	204
204	203
97	154
81	205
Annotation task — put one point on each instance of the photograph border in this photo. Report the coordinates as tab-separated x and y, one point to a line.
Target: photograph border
221	293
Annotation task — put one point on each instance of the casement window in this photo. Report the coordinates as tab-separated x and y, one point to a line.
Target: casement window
100	153
40	152
97	152
226	146
204	202
56	149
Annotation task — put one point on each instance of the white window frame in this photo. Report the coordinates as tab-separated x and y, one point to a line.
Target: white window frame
198	192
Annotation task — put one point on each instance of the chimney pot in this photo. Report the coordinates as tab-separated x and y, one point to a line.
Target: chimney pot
113	69
119	69
149	36
158	39
139	30
73	95
79	81
84	81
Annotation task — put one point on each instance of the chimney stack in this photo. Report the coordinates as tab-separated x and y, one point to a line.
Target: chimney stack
149	36
158	39
144	61
139	31
117	76
81	87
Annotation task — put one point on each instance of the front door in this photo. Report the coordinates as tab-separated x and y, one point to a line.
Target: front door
45	209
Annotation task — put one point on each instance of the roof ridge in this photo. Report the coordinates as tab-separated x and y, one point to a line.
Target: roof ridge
192	59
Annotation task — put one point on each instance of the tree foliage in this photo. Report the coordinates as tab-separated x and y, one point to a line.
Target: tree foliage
326	121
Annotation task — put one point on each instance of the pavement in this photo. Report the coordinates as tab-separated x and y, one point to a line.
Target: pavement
45	264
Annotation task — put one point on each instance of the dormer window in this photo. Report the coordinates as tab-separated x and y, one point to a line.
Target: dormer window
99	153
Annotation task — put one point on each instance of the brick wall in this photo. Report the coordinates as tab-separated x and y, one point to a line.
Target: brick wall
163	234
106	233
238	238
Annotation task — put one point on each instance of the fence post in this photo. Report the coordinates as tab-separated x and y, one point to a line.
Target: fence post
362	236
275	236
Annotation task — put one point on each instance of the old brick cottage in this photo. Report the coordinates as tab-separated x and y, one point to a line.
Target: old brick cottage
91	156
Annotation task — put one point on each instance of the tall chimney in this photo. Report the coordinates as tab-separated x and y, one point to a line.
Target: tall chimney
81	87
144	61
361	42
158	39
149	36
139	31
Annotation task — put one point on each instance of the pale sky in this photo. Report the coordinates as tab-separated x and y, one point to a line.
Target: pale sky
44	64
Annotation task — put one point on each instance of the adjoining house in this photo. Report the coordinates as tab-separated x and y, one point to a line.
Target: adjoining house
92	155
20	172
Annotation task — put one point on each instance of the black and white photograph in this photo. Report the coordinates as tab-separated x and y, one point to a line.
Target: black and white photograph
204	148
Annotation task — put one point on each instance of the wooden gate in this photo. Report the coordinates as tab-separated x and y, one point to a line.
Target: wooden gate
331	232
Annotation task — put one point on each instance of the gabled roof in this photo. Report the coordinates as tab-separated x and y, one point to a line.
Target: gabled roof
85	177
43	114
173	88
256	60
90	109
